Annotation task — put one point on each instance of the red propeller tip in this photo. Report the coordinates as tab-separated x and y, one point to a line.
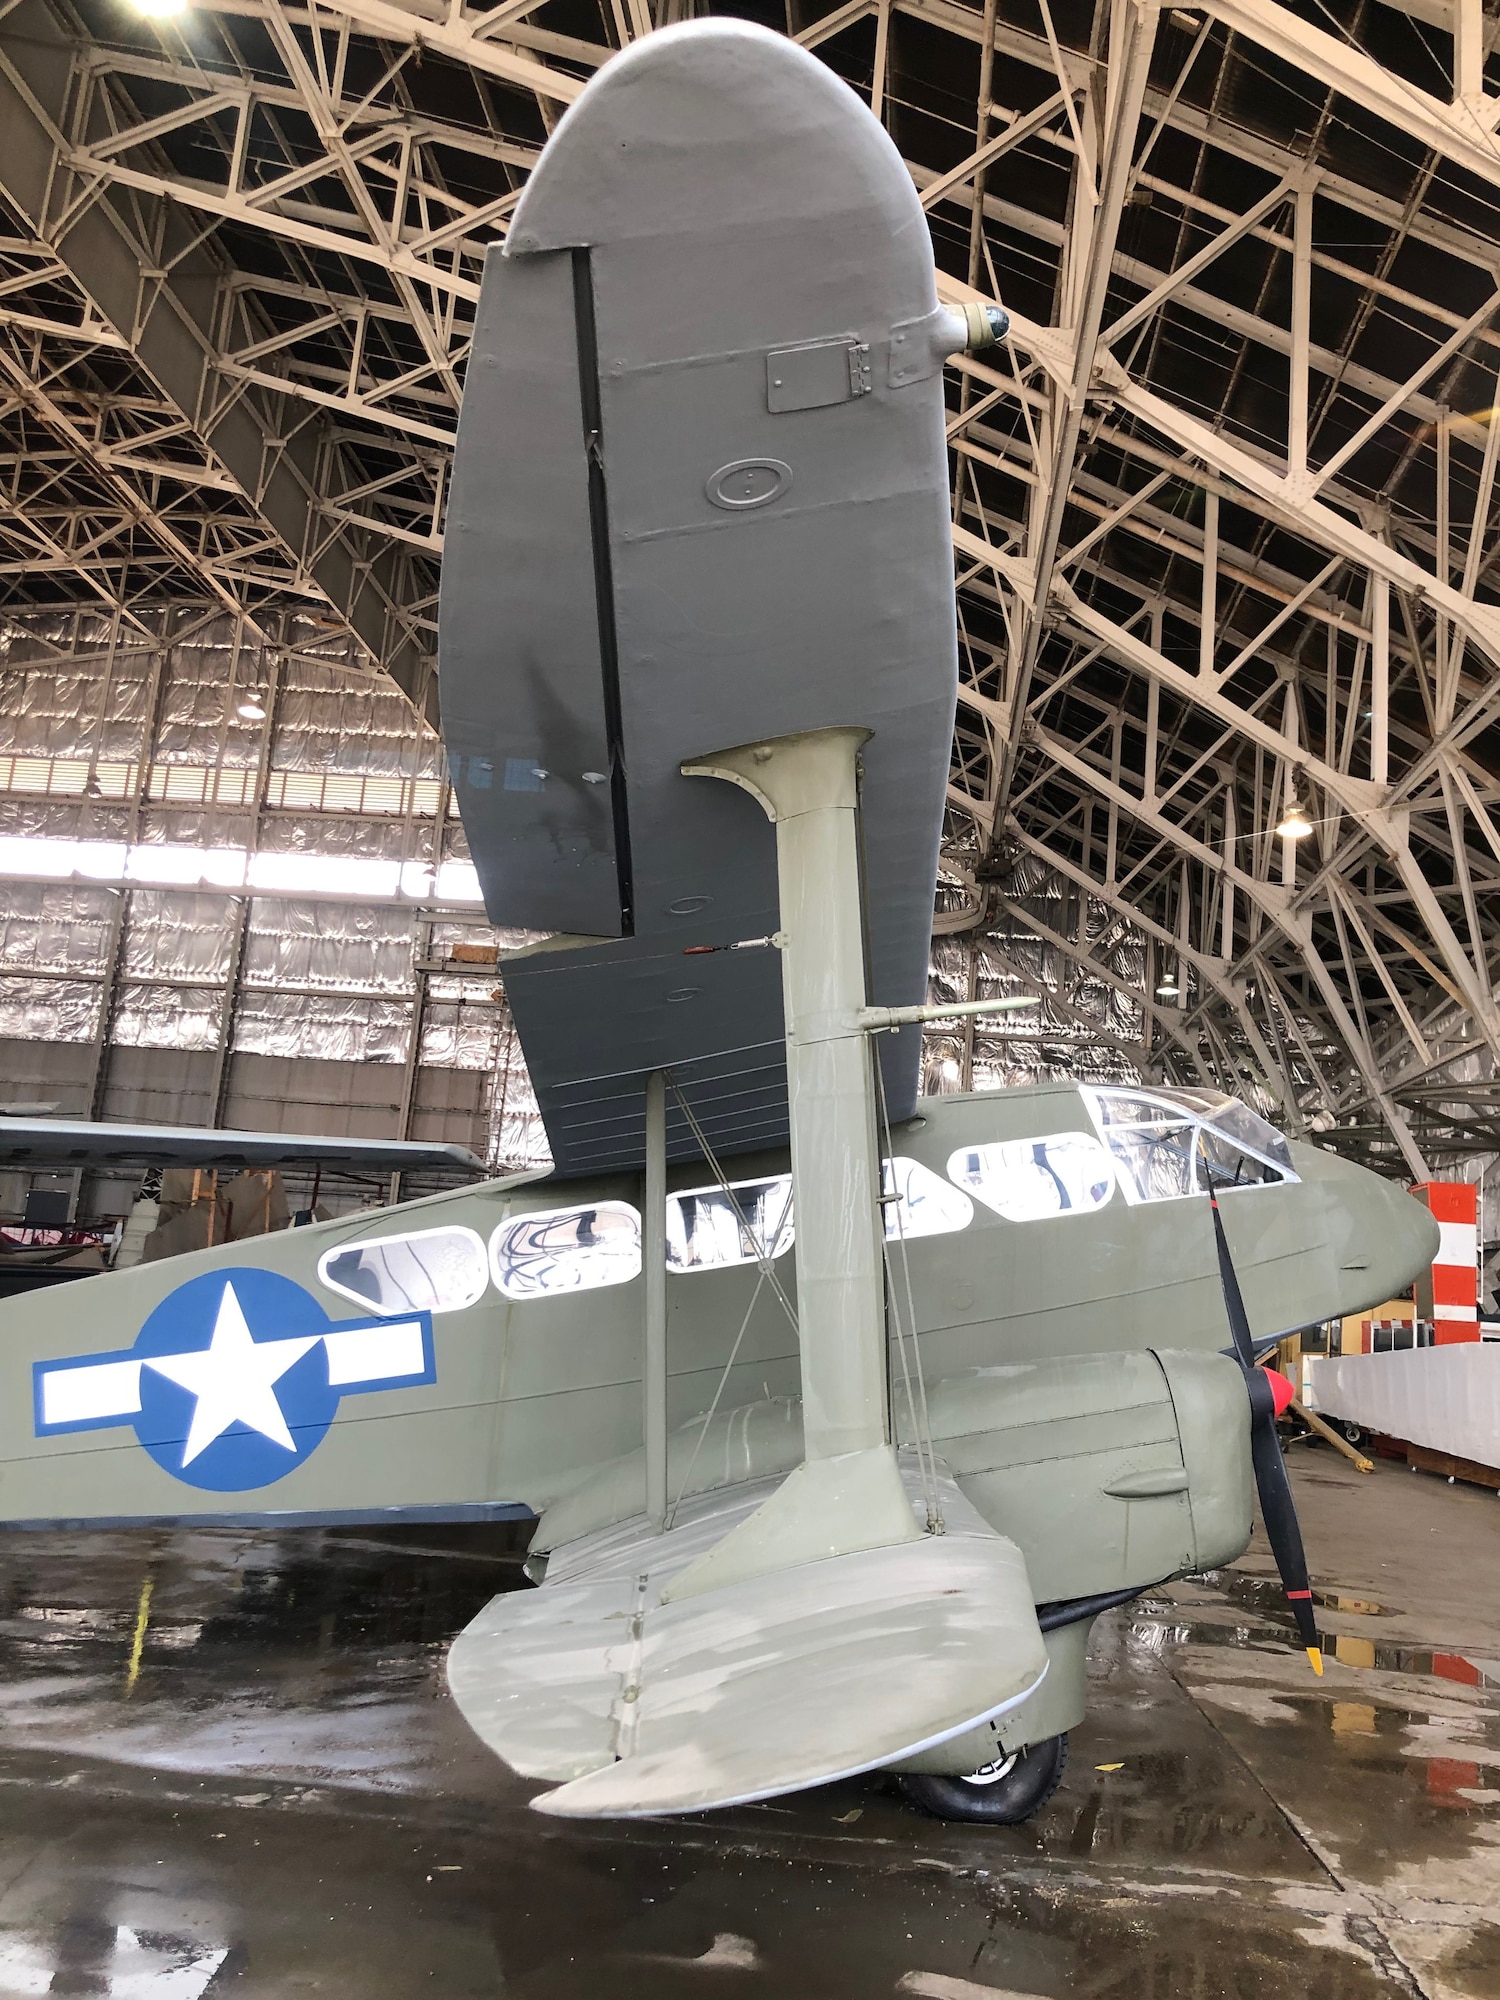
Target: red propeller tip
1282	1391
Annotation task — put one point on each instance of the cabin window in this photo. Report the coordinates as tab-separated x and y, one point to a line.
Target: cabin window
1170	1143
430	1270
919	1203
1066	1173
704	1233
566	1250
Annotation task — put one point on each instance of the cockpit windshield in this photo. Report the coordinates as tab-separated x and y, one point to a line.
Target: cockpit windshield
1169	1143
1237	1122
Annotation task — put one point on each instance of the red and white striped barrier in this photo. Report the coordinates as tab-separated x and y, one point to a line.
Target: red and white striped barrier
1449	1294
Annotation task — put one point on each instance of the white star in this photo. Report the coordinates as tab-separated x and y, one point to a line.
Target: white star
232	1378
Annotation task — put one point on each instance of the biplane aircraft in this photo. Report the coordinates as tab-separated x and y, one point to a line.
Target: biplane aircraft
843	1412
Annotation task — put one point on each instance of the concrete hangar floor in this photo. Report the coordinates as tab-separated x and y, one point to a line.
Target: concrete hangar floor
229	1765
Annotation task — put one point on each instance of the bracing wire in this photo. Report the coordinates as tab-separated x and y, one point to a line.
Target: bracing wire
713	1407
916	1390
762	1254
766	1275
928	1494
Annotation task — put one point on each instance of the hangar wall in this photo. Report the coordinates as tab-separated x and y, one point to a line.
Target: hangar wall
166	990
214	918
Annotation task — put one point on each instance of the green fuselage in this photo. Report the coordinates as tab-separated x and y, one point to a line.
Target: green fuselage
531	1394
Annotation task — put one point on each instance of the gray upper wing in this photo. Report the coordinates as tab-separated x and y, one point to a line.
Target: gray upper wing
700	498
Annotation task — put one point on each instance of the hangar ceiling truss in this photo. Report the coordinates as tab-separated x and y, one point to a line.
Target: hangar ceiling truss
1224	504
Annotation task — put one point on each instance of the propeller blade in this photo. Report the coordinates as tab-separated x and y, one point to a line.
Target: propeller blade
1234	1303
1279	1512
1277	1508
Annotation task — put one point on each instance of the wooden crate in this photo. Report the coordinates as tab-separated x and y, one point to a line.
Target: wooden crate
1449	1467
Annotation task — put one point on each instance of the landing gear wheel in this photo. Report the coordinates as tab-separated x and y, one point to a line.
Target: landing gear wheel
999	1794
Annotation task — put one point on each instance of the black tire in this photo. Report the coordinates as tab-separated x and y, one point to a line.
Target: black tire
1352	1433
1005	1799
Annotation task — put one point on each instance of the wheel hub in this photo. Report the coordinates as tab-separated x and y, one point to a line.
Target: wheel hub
991	1774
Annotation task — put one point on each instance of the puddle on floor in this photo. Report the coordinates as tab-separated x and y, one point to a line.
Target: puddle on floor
294	1654
1156	1623
1390	1763
1255	1592
361	1909
225	1595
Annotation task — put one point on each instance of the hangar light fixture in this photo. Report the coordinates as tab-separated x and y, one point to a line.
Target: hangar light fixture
1295	825
160	10
252	711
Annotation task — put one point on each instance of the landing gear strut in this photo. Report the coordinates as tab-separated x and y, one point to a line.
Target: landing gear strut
999	1794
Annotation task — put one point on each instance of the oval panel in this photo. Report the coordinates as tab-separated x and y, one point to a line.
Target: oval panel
748	482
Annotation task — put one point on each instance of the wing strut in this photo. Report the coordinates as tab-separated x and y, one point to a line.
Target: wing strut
848	1494
766	1641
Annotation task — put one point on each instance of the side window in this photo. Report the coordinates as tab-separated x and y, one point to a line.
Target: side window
566	1250
705	1234
431	1270
919	1204
1068	1173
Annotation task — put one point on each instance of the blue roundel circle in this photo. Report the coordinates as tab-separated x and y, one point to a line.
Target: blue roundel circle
234	1380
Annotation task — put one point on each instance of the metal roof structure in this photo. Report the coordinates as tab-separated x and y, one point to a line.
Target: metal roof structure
1223	508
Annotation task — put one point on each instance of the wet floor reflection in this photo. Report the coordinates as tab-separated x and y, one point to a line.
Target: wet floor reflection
229	1764
88	1955
1390	1762
1197	1613
297	1654
290	1591
136	1899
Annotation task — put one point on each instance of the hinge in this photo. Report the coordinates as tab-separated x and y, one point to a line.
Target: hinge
859	368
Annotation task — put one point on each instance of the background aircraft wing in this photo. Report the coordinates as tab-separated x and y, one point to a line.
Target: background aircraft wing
59	1144
700	498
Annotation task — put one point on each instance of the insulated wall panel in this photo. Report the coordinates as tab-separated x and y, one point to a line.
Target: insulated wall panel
1446	1398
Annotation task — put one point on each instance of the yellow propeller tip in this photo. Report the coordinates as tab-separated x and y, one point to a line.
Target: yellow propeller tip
1317	1660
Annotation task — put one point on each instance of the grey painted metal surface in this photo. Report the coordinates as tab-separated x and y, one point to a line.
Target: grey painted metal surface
654	1286
728	250
769	1685
523	699
591	1020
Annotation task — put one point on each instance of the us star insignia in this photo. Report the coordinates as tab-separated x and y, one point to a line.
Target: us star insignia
235	1378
